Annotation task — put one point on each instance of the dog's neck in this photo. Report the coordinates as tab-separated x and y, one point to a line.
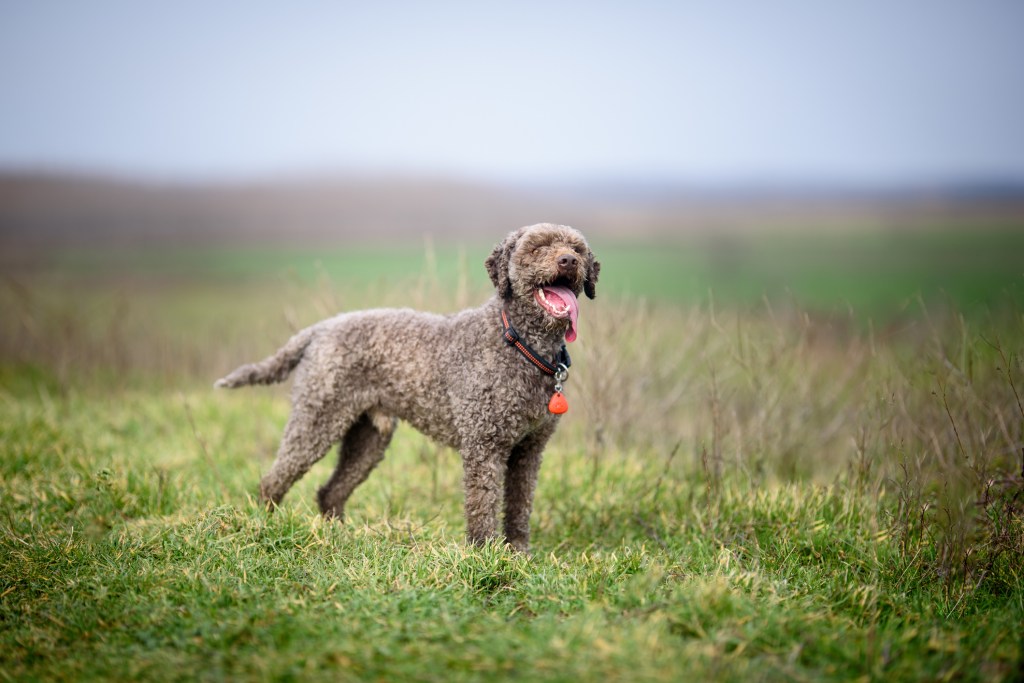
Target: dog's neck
535	327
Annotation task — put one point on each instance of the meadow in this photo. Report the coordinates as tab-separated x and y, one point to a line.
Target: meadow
795	458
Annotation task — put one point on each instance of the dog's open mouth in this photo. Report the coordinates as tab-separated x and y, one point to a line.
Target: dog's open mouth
559	302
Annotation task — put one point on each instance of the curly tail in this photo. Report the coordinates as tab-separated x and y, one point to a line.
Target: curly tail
270	370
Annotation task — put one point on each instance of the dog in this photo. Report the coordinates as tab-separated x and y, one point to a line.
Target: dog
485	381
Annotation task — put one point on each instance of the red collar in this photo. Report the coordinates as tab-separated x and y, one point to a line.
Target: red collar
561	362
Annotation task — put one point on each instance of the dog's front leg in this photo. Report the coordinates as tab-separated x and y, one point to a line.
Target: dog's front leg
520	483
482	483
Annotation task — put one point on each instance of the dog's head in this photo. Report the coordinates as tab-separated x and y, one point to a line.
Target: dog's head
550	264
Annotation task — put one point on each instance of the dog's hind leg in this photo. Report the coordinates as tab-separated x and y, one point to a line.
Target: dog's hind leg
308	436
360	451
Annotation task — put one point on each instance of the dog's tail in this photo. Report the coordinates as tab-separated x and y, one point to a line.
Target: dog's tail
273	369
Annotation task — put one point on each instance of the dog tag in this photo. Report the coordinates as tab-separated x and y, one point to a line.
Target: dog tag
558	404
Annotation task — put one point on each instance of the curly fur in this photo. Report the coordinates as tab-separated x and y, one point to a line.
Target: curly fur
452	377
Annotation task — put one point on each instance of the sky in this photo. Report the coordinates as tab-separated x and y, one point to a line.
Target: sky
790	91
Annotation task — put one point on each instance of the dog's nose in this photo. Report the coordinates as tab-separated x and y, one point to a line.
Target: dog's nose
567	262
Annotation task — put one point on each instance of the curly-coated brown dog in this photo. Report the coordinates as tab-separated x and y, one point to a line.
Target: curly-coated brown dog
479	381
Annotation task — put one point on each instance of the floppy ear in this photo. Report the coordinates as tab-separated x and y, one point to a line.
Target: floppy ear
497	263
593	270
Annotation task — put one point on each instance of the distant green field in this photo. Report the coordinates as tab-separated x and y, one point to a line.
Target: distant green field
876	274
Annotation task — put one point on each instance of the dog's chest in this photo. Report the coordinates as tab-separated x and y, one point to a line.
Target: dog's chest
502	398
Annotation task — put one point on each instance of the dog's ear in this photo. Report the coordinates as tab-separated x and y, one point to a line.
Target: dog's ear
497	263
593	270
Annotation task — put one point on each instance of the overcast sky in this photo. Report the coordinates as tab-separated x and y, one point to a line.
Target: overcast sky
865	91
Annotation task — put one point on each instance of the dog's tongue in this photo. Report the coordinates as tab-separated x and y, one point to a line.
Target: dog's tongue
557	292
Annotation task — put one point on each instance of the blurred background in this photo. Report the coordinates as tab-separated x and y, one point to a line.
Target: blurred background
852	159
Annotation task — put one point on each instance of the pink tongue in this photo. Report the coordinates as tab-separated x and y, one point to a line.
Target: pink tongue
569	299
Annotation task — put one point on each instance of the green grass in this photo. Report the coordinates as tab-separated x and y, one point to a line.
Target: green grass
737	492
132	550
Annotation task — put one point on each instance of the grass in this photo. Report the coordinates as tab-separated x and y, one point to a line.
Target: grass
737	492
130	552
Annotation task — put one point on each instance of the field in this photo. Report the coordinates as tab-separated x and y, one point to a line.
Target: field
796	458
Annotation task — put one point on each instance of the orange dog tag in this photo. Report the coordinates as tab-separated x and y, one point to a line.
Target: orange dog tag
558	404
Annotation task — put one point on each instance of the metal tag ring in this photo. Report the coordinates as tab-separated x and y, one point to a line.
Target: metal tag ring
561	373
